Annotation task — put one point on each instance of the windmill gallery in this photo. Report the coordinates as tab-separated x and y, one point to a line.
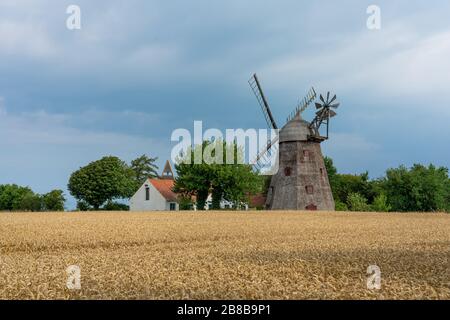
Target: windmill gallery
300	180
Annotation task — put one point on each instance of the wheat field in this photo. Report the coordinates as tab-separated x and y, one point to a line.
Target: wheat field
224	255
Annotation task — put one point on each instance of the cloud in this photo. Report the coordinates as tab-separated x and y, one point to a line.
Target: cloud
2	107
422	69
25	39
396	62
351	144
42	128
151	59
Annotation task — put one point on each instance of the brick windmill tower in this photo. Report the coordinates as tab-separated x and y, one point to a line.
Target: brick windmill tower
301	182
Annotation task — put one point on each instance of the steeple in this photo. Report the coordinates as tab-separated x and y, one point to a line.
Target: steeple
167	173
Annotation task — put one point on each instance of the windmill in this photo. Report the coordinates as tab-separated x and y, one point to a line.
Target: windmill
301	182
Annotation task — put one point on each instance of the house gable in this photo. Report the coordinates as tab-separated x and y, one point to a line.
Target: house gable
155	201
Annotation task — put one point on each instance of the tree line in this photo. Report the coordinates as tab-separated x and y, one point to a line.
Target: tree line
104	183
17	198
96	186
419	188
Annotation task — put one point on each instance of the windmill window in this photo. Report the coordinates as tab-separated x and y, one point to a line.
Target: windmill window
306	155
309	189
287	171
147	193
321	172
311	207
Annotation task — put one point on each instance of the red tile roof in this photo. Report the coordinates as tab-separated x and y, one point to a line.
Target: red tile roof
164	186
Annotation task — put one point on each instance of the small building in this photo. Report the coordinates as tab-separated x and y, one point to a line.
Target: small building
156	194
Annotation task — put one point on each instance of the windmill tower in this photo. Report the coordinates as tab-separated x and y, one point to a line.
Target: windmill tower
301	182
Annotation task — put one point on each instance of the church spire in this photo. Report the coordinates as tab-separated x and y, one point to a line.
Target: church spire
167	172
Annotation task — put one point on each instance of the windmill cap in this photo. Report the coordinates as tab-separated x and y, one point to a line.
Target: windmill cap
295	130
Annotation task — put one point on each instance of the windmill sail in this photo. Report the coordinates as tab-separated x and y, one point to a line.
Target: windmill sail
303	104
265	157
259	94
266	149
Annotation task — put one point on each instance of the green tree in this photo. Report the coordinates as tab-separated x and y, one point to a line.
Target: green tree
332	175
418	189
11	197
340	206
115	206
193	179
349	183
447	196
103	180
357	202
53	201
83	206
185	203
380	203
30	202
240	183
143	168
228	180
233	181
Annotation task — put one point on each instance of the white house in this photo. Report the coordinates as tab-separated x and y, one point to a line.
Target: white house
156	194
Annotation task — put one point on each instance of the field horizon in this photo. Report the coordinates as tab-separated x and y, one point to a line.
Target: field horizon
225	255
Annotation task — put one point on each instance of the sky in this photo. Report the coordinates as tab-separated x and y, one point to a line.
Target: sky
137	70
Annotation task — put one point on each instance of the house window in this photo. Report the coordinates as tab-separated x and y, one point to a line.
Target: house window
287	171
172	206
309	189
147	193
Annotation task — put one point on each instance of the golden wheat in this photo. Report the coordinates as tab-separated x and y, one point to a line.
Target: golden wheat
224	255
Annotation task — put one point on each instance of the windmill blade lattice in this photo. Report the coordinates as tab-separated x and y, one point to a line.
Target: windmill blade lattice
259	94
263	157
303	104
